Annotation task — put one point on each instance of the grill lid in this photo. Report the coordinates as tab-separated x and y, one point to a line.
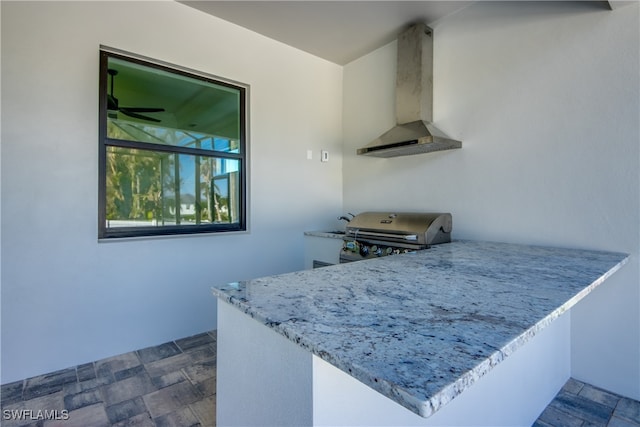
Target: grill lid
412	228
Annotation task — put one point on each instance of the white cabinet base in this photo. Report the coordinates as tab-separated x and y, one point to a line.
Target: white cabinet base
265	379
323	249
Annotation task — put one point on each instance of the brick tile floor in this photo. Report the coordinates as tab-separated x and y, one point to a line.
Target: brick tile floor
582	405
174	384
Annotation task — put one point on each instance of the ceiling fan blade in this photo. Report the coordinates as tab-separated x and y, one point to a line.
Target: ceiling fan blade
138	116
112	103
142	109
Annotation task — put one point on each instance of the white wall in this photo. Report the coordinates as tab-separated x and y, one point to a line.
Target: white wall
68	299
256	364
545	98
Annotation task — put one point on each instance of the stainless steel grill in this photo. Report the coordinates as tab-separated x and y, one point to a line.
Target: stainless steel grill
375	234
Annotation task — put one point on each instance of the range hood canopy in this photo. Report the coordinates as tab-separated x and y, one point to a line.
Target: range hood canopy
414	133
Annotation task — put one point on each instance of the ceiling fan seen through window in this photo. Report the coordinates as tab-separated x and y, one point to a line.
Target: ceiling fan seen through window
113	104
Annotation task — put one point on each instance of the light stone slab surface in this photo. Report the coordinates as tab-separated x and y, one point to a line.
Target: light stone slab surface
422	327
328	234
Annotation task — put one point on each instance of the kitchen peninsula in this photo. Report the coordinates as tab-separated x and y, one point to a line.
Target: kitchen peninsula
464	333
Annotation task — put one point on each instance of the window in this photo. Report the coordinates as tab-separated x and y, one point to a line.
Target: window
172	150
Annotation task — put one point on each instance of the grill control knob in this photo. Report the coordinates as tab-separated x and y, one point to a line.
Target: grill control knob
376	250
351	246
364	250
389	251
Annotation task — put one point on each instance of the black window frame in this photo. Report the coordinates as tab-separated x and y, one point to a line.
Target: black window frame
104	142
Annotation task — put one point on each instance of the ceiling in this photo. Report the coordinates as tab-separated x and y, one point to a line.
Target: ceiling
338	31
341	31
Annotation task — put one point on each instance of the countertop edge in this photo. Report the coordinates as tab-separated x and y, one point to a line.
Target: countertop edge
327	234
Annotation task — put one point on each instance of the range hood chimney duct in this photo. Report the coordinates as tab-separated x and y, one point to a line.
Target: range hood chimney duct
414	133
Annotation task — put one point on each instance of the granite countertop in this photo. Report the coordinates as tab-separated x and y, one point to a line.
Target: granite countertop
337	234
421	327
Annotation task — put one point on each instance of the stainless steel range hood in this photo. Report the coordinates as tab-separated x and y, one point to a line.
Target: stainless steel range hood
414	133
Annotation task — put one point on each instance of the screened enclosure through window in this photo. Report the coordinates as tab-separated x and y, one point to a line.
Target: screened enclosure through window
172	150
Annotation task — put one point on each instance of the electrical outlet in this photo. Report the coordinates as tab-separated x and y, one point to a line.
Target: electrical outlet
324	156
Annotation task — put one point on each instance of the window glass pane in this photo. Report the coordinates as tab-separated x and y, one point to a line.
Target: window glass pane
172	154
143	188
147	104
134	186
219	190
